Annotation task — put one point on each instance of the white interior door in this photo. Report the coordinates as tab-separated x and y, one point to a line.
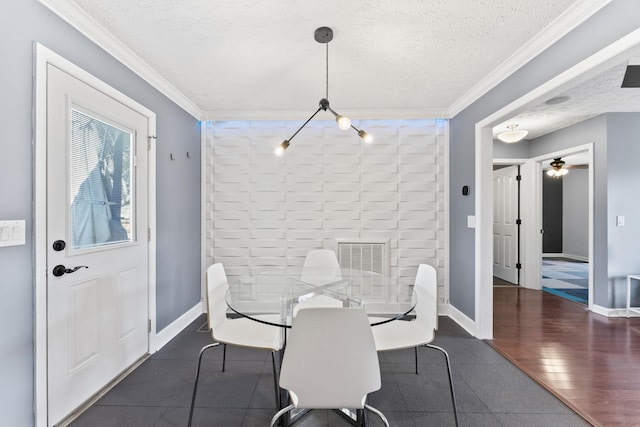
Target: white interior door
505	228
97	206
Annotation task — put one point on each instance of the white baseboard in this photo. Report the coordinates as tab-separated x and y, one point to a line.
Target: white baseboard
461	319
175	327
577	257
564	255
613	312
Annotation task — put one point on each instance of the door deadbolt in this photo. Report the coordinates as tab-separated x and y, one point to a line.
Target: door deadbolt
59	245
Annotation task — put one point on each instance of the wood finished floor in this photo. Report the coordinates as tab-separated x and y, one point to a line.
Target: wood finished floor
590	362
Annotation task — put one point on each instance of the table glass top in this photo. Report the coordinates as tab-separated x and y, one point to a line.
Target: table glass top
274	296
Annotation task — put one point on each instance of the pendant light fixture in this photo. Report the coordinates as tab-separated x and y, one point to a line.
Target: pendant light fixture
557	170
512	135
324	35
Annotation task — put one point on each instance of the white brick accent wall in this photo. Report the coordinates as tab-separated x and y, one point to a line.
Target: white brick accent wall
266	211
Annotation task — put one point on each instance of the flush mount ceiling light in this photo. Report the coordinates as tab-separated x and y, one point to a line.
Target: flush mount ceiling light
557	170
512	135
324	35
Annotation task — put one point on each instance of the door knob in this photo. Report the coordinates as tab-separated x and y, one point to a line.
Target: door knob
59	270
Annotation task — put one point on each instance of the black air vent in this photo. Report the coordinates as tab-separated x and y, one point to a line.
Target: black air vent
631	76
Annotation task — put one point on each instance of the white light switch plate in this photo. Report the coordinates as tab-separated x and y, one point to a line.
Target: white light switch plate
471	221
620	221
12	233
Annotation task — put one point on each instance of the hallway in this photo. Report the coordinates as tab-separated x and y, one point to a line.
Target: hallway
590	362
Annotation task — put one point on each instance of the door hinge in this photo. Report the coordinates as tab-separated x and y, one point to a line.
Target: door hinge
518	221
148	234
149	326
518	177
518	266
149	138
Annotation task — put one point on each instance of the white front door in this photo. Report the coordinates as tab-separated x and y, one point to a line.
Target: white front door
97	202
505	228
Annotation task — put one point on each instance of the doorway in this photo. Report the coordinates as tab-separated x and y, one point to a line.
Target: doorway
94	256
565	225
603	60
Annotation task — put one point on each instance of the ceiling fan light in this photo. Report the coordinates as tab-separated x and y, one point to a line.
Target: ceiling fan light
344	123
557	170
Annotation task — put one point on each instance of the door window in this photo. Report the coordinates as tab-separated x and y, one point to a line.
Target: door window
100	191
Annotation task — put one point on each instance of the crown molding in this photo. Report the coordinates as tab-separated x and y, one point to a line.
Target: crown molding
558	28
390	114
90	28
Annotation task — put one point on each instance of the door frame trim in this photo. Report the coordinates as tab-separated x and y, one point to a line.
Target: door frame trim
42	57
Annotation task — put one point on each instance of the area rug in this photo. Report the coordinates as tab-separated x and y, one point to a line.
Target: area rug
566	278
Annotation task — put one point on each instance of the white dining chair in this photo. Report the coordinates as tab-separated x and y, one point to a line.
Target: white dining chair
330	361
240	332
402	334
320	267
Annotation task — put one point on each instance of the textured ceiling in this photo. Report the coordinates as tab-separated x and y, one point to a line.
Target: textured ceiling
601	94
251	58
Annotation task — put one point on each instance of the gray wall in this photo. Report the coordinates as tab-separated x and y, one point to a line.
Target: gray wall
575	216
178	189
614	21
623	134
517	150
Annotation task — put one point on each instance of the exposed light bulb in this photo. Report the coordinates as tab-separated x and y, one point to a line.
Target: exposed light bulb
279	151
344	123
365	136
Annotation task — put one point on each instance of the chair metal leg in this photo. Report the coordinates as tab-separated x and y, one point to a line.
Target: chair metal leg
224	356
195	386
275	380
378	413
279	414
453	395
415	351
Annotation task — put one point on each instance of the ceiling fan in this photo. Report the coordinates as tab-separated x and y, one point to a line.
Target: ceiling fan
559	168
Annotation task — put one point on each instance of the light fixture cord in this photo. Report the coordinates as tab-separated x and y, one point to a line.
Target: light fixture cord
327	72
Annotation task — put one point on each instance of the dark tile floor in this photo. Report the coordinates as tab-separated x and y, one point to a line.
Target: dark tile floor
490	391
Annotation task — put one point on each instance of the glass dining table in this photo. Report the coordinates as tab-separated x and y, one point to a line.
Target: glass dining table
274	296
